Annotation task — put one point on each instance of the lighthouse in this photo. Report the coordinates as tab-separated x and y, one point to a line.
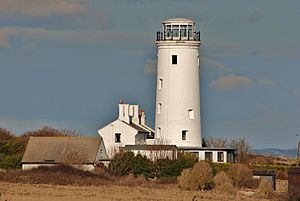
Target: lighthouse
177	116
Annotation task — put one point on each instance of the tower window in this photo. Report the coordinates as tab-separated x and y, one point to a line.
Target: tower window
160	84
174	59
117	137
158	131
191	114
184	134
159	108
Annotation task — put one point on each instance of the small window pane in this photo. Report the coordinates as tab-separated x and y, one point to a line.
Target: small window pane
184	134
183	30
174	59
220	156
117	137
190	31
159	108
175	30
208	156
160	84
191	114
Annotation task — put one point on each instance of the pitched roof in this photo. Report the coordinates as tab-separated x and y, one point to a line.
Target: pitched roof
61	149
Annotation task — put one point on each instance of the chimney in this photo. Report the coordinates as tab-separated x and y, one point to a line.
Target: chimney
124	112
134	114
143	118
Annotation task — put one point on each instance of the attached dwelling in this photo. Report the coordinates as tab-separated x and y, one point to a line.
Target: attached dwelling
128	129
129	132
81	152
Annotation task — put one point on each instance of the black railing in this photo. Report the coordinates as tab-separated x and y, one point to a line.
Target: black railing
161	36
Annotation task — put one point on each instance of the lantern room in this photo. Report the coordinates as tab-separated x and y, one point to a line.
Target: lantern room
178	29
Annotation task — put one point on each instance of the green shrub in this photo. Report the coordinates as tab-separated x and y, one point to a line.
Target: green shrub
11	161
141	165
121	164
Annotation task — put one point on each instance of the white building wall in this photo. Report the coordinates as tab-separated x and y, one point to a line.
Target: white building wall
108	134
179	93
31	166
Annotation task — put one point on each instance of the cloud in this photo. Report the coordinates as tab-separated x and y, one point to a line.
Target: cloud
52	14
209	65
5	35
232	83
42	8
150	67
268	83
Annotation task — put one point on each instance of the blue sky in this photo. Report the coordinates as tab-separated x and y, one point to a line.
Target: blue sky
67	63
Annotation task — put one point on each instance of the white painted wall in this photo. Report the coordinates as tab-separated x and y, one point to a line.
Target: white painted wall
179	93
128	136
34	165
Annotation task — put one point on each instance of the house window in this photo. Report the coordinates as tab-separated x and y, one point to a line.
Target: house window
184	134
191	114
174	59
160	84
220	156
117	137
208	156
159	108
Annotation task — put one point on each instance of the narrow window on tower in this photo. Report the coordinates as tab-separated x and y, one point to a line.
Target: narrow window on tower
191	114
159	108
117	137
174	59
160	84
158	131
184	134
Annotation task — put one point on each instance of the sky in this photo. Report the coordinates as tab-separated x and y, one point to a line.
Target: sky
68	63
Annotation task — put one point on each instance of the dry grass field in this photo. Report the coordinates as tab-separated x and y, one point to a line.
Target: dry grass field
42	192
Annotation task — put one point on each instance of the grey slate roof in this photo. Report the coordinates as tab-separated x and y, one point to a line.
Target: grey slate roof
60	149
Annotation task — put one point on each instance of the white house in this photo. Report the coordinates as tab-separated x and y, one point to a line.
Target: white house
129	129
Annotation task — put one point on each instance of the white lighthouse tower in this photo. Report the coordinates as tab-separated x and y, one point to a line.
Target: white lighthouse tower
177	117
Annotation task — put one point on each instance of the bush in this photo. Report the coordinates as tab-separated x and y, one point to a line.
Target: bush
141	165
11	161
184	179
240	174
196	178
265	188
121	163
223	183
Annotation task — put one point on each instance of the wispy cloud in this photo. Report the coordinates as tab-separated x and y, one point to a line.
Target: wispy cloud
232	83
209	65
38	8
268	82
150	67
52	14
5	35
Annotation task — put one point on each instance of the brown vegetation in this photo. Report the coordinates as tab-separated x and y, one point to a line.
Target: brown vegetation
265	188
196	178
240	174
223	183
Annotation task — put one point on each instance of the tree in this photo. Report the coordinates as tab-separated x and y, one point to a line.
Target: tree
242	147
6	134
217	142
